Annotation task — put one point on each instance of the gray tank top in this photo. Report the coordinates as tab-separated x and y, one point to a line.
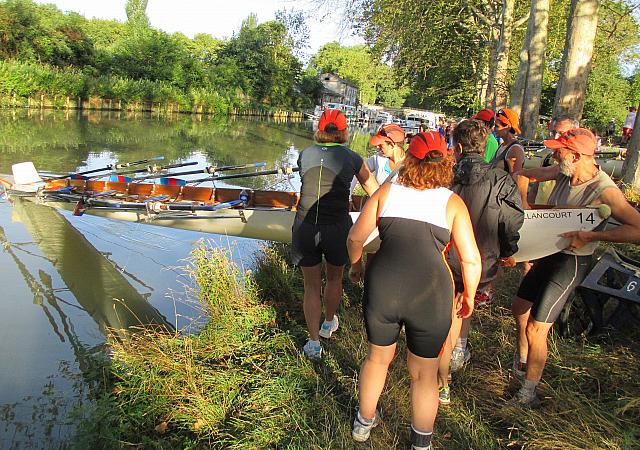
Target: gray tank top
584	194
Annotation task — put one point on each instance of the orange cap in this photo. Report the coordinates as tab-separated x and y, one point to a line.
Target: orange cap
389	132
334	117
509	117
579	140
429	144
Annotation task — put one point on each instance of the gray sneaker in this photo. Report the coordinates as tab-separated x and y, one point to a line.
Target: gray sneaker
361	431
525	399
459	358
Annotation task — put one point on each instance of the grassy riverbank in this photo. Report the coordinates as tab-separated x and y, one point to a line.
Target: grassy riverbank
243	383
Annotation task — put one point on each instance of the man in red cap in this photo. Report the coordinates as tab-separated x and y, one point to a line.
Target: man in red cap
546	287
488	117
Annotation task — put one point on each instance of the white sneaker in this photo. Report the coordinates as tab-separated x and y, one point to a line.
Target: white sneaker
328	328
361	430
312	350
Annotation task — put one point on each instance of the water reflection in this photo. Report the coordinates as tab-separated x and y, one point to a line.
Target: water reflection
100	289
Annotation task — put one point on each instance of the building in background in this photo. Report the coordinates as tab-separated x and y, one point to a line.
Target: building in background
338	93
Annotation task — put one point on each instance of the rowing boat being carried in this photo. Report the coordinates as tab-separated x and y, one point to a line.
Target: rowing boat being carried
266	215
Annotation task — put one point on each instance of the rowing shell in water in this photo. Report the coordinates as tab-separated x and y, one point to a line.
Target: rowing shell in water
266	215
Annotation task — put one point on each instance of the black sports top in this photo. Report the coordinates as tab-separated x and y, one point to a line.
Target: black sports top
326	171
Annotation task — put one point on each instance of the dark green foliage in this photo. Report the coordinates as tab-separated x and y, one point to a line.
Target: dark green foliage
132	61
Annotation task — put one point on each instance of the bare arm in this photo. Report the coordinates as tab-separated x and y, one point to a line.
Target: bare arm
360	231
539	174
622	211
467	250
515	158
367	180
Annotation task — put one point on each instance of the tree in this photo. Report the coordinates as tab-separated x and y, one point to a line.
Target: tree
582	25
136	13
535	49
269	69
297	31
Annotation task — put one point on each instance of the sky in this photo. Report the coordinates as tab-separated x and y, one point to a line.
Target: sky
215	17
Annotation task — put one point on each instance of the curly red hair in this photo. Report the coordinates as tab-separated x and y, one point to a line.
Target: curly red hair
424	174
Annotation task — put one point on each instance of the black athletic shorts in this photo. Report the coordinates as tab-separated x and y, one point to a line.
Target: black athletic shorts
311	241
550	282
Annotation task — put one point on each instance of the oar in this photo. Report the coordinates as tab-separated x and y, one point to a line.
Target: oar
278	171
107	167
149	169
209	169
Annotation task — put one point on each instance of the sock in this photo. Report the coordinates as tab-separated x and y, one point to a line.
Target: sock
523	360
364	421
529	387
420	439
461	344
316	344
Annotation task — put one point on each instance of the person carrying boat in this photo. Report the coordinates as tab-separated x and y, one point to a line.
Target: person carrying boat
545	289
488	117
409	282
389	140
495	207
539	192
322	221
510	154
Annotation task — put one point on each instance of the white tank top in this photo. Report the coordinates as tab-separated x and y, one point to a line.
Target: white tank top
429	205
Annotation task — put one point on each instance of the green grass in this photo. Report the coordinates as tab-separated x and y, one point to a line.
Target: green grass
242	382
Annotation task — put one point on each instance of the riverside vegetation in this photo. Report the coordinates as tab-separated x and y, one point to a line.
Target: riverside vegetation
242	381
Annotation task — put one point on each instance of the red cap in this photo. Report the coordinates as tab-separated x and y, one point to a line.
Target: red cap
579	140
486	115
390	132
332	116
510	118
429	144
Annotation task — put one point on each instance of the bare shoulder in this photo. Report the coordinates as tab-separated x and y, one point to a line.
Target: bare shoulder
456	205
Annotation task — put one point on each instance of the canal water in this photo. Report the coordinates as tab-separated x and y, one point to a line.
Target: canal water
66	279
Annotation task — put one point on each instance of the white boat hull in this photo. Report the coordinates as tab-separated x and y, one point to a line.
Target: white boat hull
539	236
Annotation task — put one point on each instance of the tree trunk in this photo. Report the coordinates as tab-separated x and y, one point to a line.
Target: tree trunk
490	96
517	90
576	59
502	52
631	172
531	100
